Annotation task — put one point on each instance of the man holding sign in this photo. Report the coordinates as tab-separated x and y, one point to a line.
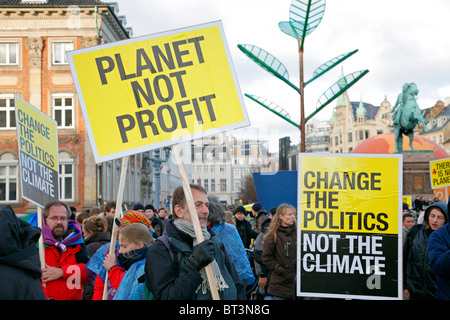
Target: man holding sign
179	273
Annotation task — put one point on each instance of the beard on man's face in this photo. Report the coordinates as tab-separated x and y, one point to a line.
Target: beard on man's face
58	231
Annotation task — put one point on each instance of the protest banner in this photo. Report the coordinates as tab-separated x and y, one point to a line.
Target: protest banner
138	94
37	140
440	173
349	239
153	91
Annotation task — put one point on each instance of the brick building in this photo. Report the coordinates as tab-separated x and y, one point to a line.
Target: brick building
34	36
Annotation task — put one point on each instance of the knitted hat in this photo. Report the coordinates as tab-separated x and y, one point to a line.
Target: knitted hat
134	217
151	207
240	209
257	206
138	206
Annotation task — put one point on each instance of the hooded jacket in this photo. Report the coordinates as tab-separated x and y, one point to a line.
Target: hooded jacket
417	275
20	268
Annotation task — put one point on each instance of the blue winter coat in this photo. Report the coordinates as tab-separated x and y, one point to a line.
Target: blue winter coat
439	255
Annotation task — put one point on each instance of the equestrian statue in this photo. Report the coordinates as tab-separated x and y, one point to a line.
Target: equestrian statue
407	115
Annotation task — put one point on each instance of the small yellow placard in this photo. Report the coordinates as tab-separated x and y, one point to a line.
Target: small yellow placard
440	173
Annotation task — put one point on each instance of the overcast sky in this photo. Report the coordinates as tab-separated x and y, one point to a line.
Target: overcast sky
398	41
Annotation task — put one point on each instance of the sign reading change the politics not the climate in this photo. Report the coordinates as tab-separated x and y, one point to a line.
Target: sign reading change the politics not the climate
349	239
144	93
37	138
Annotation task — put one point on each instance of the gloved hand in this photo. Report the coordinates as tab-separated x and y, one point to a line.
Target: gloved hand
202	255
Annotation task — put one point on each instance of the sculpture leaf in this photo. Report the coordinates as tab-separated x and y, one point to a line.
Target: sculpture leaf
337	89
330	64
269	105
304	17
267	62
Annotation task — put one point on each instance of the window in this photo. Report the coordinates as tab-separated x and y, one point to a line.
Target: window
9	53
66	180
63	109
205	184
213	185
7	111
223	185
222	168
8	181
59	52
245	151
417	182
237	173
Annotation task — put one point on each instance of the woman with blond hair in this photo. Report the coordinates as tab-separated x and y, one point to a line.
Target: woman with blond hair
280	252
133	240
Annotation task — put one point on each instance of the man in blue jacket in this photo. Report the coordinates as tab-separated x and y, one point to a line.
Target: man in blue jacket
439	255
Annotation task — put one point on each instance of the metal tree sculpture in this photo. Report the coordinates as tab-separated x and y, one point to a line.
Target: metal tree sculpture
304	17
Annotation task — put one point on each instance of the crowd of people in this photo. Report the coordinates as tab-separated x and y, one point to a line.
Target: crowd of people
251	254
156	256
426	250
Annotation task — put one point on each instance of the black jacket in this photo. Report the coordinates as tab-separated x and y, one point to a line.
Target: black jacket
171	280
417	275
20	268
245	231
96	240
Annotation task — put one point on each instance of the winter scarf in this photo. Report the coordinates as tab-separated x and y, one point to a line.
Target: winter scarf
73	238
221	284
128	258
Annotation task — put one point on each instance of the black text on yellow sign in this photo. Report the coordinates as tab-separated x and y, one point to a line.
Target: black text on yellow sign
349	208
38	153
150	90
321	190
440	173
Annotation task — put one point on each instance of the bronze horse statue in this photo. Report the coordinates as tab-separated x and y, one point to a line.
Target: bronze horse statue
406	116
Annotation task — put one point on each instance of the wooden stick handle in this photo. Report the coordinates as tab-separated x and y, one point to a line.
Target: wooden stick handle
118	214
194	217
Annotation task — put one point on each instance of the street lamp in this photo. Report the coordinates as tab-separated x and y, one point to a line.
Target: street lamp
157	160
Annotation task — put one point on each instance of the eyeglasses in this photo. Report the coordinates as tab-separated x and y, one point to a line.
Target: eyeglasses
62	219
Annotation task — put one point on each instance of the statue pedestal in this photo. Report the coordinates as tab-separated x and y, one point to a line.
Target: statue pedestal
416	173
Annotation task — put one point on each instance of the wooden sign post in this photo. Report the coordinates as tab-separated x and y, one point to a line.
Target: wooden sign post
118	214
194	217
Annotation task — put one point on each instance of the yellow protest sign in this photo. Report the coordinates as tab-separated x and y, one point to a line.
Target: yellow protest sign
37	139
440	173
142	93
350	225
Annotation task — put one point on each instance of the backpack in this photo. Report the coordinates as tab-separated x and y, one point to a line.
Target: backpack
148	295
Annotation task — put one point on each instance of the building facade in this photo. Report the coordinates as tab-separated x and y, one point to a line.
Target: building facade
220	164
354	122
34	37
